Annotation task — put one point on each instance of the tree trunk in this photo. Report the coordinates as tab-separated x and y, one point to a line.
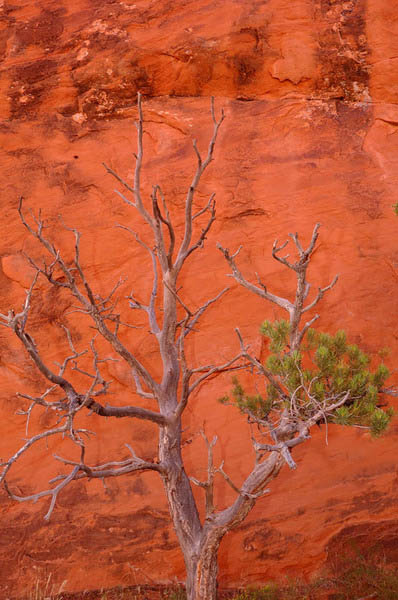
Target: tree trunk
182	506
202	570
199	544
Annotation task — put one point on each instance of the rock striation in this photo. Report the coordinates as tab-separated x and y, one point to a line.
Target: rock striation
310	92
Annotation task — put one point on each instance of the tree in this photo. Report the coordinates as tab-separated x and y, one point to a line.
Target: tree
286	414
310	377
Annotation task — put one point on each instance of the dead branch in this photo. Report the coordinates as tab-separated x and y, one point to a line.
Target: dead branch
260	367
208	485
210	370
80	471
259	291
185	248
87	300
295	309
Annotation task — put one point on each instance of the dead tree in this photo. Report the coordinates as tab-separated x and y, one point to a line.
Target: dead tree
171	323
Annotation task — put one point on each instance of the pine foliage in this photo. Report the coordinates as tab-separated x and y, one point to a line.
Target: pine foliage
325	369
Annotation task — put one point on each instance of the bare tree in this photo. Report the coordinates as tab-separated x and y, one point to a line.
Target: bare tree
171	323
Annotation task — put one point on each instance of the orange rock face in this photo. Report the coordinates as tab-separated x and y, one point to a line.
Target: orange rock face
310	89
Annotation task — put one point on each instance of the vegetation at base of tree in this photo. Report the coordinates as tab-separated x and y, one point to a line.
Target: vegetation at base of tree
354	577
360	579
361	576
325	366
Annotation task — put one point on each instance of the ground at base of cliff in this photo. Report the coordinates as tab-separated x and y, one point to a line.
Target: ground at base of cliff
350	576
359	579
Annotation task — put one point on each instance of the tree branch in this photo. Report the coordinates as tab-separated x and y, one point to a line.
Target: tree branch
53	492
81	471
150	308
212	369
208	485
185	248
297	308
88	302
321	293
136	190
166	220
17	323
260	368
259	291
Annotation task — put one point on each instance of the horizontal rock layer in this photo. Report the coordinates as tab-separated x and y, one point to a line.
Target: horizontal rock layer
309	90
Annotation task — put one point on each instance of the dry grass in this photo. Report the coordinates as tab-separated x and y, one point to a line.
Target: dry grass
356	578
44	589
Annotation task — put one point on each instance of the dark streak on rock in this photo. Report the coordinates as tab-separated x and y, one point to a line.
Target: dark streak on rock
343	51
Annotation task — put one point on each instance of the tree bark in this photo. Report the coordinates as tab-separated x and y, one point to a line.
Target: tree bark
206	568
199	544
201	557
182	505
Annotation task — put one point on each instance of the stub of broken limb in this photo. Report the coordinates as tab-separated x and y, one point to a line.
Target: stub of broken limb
283	448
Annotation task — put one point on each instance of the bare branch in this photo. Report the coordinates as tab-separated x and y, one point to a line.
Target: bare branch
76	399
206	229
321	293
34	439
136	412
116	469
195	316
291	425
206	208
80	471
123	182
53	493
138	387
259	291
208	485
88	303
158	219
166	220
185	247
282	259
150	309
177	297
283	448
136	190
260	367
210	370
240	491
297	308
306	328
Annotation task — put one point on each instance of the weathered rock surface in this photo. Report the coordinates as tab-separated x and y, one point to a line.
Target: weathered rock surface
310	93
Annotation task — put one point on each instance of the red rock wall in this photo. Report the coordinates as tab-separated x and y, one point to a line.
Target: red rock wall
310	92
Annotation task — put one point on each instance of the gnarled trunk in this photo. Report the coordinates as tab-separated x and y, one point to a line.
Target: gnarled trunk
200	543
202	568
207	566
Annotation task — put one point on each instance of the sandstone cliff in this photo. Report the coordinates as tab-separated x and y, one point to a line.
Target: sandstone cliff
310	92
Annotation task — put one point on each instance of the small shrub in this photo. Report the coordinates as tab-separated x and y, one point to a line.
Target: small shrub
267	592
361	576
